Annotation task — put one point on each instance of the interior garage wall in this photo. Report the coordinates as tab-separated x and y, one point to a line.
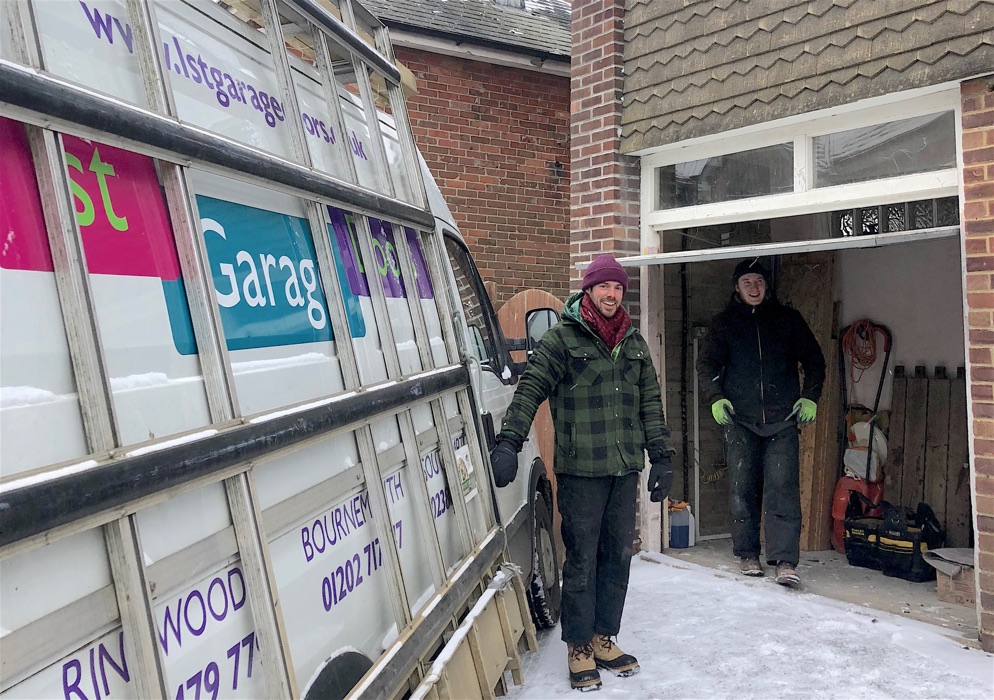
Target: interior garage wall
916	291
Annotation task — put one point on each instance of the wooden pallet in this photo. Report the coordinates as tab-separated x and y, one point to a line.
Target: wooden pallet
928	454
484	647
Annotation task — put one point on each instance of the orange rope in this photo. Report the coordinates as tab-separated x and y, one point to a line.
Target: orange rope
860	343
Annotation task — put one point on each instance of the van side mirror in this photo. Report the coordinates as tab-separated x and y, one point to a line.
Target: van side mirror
537	323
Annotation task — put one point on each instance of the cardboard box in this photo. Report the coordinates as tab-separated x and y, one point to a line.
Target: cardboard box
960	589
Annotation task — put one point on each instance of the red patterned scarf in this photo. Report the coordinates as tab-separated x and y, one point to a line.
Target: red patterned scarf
610	330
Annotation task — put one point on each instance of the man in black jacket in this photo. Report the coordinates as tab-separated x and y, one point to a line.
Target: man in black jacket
748	371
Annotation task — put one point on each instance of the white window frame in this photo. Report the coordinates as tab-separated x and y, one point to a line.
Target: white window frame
805	199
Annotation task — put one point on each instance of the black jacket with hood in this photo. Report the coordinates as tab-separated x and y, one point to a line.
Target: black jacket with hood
750	356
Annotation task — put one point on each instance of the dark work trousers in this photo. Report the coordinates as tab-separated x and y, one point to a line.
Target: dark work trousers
764	484
598	531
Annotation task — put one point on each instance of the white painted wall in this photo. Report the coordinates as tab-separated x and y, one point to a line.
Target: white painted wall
915	290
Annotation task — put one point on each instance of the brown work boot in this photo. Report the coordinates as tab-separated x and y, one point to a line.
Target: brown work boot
787	574
607	655
749	566
583	673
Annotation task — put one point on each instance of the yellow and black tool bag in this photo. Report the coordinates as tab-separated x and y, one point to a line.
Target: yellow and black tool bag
893	543
903	537
860	531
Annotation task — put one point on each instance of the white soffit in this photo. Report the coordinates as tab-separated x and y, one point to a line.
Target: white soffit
790	247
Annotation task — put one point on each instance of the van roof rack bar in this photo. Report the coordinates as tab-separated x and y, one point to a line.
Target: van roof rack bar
66	104
340	31
32	505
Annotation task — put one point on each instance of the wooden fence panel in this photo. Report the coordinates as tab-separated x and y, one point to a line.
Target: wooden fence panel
959	525
936	443
915	415
894	469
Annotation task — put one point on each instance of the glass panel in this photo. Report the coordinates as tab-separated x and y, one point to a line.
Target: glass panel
40	416
947	211
6	37
201	607
272	304
538	322
922	214
754	173
482	341
904	147
82	606
904	216
136	282
356	126
327	564
92	44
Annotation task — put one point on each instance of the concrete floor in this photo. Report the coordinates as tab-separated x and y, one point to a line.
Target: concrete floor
828	574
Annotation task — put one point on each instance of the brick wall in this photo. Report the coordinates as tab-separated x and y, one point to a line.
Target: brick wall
497	141
604	192
978	216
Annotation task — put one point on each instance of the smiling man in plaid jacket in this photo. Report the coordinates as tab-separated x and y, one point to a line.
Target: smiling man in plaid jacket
606	405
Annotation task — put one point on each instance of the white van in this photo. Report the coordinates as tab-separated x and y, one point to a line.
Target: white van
249	370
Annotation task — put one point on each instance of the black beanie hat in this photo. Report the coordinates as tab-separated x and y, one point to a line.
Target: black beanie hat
750	266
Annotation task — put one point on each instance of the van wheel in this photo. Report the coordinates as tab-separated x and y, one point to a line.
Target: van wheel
544	590
338	676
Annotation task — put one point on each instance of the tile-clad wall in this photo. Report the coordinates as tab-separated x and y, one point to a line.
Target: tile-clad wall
978	224
700	68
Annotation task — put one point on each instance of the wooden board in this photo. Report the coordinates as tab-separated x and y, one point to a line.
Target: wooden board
959	525
894	468
937	443
915	416
512	317
800	277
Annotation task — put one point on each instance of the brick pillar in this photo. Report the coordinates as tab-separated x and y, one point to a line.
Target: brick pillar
978	220
604	190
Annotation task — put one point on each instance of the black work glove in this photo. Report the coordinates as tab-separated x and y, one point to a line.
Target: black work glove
660	478
504	460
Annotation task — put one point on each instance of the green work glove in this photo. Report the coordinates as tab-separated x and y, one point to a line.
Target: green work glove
806	410
722	411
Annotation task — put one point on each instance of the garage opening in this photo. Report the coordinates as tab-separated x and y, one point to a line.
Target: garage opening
896	266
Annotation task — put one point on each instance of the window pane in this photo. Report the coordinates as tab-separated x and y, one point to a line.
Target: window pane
40	418
904	147
761	171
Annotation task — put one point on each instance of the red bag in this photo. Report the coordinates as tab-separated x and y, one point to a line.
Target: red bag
873	492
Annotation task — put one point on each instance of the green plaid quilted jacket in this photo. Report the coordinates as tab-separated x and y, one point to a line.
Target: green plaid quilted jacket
606	406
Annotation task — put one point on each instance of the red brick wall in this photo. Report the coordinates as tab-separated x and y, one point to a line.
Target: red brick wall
497	140
978	216
604	193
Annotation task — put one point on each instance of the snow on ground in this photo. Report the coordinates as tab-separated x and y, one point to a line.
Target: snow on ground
702	633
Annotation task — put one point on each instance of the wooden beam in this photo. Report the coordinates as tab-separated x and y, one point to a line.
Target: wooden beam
915	416
959	527
894	469
937	443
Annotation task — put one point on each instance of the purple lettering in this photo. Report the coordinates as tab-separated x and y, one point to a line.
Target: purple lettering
305	543
219	584
93	674
197	631
71	689
106	659
191	63
126	34
236	602
179	52
101	23
168	624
